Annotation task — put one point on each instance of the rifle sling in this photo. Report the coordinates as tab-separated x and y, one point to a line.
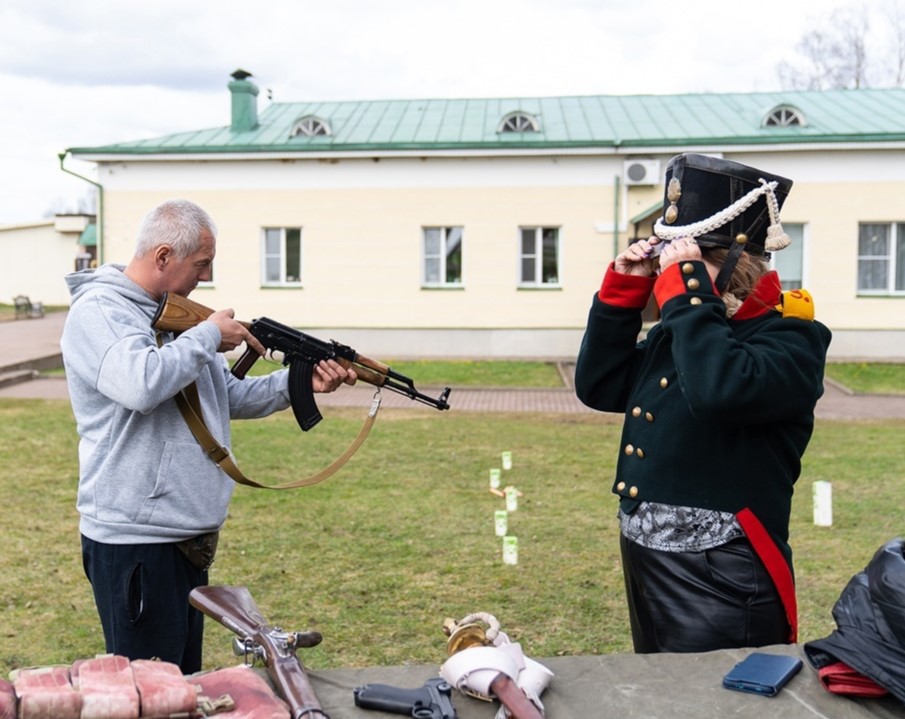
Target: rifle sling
190	406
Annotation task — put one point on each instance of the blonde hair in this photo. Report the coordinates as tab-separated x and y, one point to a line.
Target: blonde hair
744	278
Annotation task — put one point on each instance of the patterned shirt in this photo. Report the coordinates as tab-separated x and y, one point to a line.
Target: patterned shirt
678	529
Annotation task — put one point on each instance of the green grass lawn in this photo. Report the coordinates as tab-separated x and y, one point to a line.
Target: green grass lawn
462	373
869	377
861	377
377	556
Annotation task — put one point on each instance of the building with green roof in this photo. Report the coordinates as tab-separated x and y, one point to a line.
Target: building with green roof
482	227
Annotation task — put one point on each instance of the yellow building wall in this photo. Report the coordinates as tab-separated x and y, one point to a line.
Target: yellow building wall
361	253
832	213
35	259
362	231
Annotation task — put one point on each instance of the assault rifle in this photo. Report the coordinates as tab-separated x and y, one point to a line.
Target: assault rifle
234	608
300	351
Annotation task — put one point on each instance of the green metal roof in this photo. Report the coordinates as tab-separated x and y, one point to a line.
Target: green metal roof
620	122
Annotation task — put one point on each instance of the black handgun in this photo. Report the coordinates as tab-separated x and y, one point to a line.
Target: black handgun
431	701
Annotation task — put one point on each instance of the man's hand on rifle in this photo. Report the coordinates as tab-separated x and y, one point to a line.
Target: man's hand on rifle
328	375
233	333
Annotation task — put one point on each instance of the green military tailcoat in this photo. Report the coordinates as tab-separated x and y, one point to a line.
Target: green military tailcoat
718	411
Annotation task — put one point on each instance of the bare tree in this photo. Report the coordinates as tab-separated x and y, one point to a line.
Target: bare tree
834	54
85	204
895	13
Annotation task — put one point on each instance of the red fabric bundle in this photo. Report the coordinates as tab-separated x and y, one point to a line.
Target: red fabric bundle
46	693
252	694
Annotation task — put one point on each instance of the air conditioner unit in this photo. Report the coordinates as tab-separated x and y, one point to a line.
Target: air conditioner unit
641	172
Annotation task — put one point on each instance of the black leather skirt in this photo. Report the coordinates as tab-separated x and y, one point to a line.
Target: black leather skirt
720	598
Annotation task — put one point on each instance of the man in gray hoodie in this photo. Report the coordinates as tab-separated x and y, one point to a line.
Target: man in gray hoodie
149	497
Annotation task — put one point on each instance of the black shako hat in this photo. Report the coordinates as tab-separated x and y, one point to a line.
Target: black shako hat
722	203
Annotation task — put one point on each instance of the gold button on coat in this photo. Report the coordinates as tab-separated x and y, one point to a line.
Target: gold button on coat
633	492
629	450
649	416
687	268
636	411
620	486
693	284
640	453
664	383
694	301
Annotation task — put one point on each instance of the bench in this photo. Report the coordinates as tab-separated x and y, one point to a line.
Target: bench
26	309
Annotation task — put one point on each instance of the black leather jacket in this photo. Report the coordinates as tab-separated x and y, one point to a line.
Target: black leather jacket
870	620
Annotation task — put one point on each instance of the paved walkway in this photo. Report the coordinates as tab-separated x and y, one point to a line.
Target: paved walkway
23	342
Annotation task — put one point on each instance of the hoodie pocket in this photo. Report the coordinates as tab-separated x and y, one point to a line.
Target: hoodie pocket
190	490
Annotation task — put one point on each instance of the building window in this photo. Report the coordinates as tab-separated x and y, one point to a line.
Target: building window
784	116
789	263
539	256
310	126
519	122
442	256
881	258
282	263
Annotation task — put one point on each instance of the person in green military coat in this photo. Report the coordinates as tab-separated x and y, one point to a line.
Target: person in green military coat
719	404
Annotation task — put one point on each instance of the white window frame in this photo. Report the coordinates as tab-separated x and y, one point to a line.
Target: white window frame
286	277
785	116
797	232
310	126
441	256
518	121
538	257
894	257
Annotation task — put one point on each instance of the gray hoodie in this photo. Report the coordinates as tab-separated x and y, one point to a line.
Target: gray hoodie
143	478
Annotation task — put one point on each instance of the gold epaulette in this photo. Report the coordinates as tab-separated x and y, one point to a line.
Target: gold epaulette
796	303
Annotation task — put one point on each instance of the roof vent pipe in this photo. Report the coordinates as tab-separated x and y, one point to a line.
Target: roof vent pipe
244	102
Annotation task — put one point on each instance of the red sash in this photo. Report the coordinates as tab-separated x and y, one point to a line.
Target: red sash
776	566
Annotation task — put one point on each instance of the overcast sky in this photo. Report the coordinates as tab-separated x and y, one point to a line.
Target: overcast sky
93	72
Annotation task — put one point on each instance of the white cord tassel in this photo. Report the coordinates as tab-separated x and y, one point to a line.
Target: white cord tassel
777	239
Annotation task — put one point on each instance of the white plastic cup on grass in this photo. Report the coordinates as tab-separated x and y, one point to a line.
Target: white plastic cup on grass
501	522
823	504
510	550
495	478
511	499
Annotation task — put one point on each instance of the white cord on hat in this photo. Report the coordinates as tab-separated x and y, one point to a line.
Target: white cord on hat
777	239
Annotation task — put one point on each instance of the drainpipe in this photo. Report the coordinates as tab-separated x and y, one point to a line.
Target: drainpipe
100	207
615	216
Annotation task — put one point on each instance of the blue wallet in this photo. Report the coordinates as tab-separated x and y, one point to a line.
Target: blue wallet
761	673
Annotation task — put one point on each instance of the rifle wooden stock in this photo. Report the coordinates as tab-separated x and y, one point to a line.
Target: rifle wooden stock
514	699
178	314
235	609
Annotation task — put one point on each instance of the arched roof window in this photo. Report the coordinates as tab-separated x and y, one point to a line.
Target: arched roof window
310	126
784	116
519	121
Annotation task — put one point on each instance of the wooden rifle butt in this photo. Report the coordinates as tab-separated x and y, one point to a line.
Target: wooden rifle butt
514	699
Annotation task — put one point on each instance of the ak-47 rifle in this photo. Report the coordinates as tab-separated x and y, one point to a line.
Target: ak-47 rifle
234	608
300	351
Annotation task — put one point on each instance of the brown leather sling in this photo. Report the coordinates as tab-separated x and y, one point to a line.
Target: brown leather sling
190	406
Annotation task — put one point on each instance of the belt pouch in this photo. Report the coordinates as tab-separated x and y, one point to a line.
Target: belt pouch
200	550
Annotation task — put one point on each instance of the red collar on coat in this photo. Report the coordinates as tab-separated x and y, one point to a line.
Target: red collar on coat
762	299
